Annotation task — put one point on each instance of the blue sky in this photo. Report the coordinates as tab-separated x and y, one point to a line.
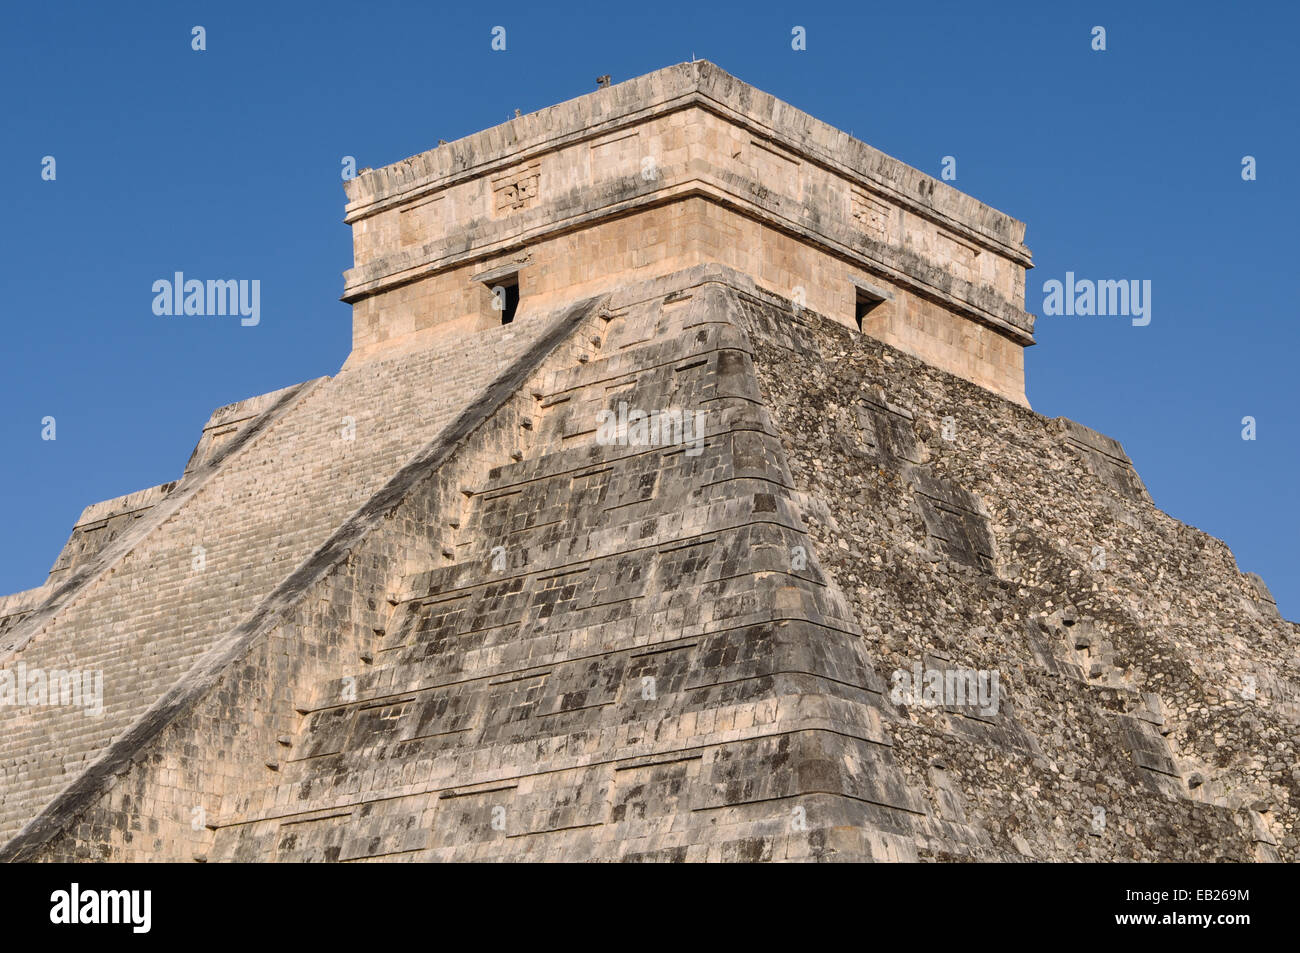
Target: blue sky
226	163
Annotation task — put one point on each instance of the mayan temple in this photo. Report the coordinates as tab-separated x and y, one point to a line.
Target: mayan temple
680	470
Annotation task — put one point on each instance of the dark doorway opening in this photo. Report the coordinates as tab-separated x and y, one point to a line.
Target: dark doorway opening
505	297
867	302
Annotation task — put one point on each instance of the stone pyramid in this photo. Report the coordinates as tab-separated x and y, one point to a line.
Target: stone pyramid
683	439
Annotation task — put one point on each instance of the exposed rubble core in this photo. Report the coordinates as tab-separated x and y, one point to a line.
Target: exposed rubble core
1134	653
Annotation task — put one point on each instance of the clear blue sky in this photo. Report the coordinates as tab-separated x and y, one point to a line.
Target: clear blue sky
226	163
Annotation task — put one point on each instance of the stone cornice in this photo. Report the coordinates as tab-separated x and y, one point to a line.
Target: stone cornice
699	84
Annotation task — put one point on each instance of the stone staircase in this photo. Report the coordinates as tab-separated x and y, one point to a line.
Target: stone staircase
147	606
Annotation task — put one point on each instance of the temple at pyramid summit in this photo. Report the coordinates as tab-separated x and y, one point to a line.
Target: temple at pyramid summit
679	500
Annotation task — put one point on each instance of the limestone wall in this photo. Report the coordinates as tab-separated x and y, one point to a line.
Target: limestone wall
590	194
